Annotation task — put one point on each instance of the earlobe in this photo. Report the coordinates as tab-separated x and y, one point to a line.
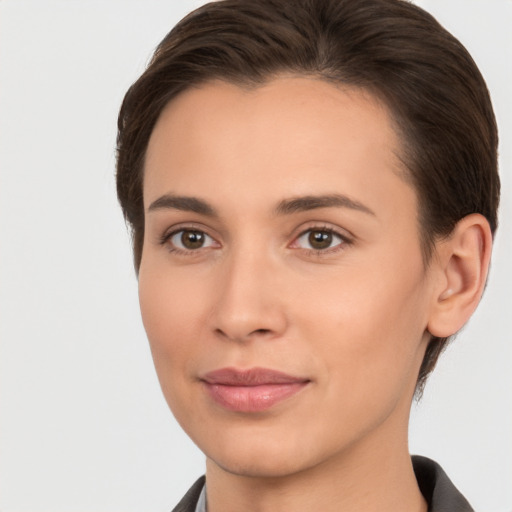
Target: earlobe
462	265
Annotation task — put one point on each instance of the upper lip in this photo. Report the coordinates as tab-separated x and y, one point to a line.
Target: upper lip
249	377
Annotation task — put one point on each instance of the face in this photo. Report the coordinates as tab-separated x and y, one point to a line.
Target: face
282	285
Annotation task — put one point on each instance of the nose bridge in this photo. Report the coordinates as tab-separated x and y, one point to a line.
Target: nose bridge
247	301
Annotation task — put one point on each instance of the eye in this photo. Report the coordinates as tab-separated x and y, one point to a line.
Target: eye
319	239
189	240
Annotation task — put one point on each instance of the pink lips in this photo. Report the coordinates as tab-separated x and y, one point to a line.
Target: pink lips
253	390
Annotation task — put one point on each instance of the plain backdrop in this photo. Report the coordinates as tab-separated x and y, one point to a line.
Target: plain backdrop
83	425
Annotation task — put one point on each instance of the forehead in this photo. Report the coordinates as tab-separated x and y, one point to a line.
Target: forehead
292	132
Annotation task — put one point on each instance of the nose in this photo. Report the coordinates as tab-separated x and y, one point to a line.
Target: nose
249	301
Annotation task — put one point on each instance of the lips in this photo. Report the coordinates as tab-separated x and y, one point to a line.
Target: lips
253	390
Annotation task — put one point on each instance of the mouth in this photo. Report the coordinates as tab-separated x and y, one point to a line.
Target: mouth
253	390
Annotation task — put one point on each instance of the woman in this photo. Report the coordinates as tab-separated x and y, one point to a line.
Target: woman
312	188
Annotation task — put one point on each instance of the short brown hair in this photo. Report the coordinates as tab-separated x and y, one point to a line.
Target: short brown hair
432	87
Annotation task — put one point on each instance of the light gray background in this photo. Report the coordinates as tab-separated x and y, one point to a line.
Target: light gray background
83	425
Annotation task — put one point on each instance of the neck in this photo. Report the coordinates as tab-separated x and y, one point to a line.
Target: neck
375	476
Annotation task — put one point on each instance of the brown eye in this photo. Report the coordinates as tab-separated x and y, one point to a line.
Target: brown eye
190	240
320	239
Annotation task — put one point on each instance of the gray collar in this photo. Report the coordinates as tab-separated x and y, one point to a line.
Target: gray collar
201	502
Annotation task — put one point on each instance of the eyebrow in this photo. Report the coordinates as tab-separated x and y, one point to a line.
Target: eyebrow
305	203
284	207
183	203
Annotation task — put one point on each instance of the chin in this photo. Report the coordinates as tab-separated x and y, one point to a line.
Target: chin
261	465
260	456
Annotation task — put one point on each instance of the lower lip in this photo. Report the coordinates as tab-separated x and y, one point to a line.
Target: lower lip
252	398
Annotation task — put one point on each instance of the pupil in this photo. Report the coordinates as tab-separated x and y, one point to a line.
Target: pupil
192	239
320	239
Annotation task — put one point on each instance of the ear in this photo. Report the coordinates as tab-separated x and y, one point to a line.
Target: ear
461	264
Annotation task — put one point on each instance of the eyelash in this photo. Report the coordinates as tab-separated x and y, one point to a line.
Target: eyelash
344	241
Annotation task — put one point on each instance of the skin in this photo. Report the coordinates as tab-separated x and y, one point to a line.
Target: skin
352	318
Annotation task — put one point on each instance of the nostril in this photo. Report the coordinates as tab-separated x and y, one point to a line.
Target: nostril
261	331
240	336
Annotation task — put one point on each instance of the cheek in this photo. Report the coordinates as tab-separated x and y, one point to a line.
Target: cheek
172	316
367	327
167	298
